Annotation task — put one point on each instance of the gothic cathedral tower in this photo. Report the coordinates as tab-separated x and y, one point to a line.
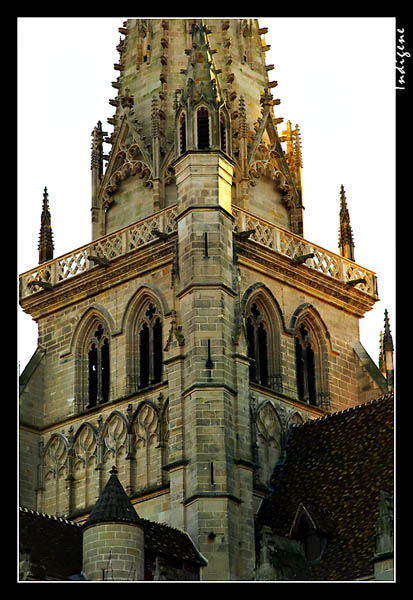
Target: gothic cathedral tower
198	324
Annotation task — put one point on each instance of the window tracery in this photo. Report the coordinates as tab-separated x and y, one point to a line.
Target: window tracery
98	360
257	346
305	366
150	347
268	432
262	328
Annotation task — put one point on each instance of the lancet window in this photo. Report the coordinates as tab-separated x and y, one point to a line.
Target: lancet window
182	134
305	366
223	133
202	122
257	337
98	367
150	347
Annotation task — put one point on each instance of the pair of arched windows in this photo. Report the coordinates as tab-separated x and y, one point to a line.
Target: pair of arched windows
98	367
146	352
203	131
150	348
264	354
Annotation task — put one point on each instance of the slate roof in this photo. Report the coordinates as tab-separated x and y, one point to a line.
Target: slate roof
336	467
113	504
171	542
54	544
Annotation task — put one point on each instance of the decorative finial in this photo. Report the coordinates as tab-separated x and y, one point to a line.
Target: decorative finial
386	362
97	149
113	471
346	243
46	245
387	337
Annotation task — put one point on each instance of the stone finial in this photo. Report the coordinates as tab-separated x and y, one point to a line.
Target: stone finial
46	245
97	148
346	243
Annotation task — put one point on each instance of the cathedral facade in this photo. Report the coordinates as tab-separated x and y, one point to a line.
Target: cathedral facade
198	325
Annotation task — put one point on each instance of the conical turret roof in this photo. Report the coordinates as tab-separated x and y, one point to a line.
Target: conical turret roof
113	504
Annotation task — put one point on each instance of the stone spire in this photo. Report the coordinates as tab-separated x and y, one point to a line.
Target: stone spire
388	350
346	243
45	246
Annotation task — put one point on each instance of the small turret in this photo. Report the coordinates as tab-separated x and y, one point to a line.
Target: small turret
346	243
46	246
113	538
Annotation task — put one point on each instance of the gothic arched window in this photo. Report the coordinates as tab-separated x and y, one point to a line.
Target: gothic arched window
223	133
182	134
150	347
305	366
98	358
257	337
202	123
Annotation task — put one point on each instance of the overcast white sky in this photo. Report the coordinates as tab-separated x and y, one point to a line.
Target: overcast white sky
335	78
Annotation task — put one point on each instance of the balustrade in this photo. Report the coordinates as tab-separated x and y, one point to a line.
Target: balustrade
142	232
288	244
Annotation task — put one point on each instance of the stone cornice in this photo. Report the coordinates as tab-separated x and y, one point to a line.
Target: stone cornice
321	286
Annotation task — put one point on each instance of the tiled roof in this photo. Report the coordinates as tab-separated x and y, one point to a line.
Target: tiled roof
162	539
113	504
54	544
336	466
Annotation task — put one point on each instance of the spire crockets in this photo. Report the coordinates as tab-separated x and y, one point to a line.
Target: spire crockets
293	154
386	363
45	246
202	118
346	243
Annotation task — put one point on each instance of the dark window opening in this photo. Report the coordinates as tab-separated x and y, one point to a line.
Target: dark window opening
263	354
182	134
98	369
251	347
93	375
105	371
299	363
157	351
150	349
203	128
305	368
313	542
257	339
223	134
311	376
144	356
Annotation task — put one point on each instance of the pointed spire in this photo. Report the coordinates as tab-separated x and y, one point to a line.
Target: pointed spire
346	243
387	337
382	366
113	504
201	72
97	149
386	363
45	246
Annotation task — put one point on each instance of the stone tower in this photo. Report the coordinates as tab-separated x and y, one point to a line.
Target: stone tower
113	520
198	324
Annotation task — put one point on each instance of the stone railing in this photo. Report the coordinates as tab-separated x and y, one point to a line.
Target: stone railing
99	251
291	245
135	236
